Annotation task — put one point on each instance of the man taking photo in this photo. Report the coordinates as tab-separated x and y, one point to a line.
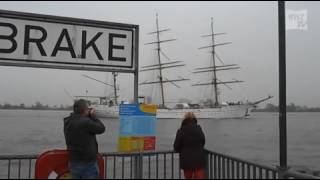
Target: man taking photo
80	130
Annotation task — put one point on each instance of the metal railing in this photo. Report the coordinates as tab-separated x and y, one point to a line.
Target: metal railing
17	166
146	165
226	167
157	165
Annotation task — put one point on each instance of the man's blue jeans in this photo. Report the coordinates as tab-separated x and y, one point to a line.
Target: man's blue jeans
84	170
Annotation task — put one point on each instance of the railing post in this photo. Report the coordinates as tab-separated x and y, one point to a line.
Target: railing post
207	168
141	166
138	166
282	173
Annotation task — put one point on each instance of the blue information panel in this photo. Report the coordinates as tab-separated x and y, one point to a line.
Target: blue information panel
137	127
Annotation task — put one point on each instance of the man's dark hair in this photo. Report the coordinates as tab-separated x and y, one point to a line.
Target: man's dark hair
80	106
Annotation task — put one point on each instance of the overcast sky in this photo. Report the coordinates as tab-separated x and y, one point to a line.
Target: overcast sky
251	27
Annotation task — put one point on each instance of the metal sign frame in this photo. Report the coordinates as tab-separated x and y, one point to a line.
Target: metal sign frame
134	29
282	89
79	22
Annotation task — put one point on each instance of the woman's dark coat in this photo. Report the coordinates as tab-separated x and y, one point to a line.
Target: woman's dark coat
189	142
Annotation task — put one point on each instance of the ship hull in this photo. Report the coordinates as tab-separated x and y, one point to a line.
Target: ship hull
223	112
107	112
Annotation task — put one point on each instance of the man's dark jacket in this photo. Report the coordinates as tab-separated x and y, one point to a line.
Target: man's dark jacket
189	142
80	134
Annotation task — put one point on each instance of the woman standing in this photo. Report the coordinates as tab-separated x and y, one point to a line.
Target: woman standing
189	142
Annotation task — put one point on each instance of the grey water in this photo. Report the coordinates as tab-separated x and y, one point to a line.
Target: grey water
254	139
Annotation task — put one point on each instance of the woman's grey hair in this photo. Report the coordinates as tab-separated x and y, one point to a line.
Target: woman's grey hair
80	106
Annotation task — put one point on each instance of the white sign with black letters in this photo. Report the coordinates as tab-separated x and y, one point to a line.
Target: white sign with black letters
67	43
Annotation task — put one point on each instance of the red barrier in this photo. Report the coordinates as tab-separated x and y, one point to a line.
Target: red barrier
56	161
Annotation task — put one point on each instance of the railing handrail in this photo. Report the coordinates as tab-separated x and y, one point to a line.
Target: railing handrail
290	173
17	157
138	153
34	156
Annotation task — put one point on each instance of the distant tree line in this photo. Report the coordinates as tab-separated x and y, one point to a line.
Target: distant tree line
37	106
290	108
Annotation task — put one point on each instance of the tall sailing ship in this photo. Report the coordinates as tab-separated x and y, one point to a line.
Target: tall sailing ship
214	109
108	105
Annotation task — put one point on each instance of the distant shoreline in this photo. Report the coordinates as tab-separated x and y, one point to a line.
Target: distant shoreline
290	108
37	106
52	109
287	111
38	109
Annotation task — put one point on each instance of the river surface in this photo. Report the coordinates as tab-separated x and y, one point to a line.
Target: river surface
254	139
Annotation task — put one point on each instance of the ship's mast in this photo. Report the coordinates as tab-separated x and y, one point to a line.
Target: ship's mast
160	66
215	68
159	61
216	103
114	85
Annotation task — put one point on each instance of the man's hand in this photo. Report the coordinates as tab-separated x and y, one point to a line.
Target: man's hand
92	113
95	126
